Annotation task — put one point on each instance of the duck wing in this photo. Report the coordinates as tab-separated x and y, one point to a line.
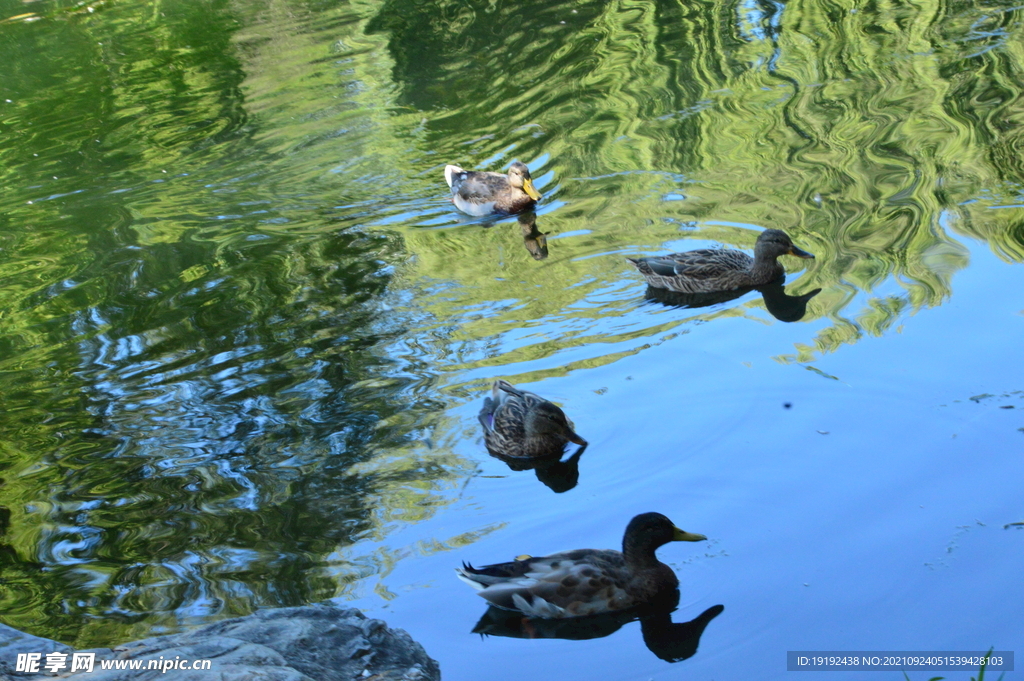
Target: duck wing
503	417
505	410
486	414
511	403
477	186
705	263
569	584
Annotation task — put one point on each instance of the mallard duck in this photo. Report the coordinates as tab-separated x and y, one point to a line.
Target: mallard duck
520	424
482	193
585	581
720	269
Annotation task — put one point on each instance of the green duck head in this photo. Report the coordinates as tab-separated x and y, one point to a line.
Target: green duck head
648	531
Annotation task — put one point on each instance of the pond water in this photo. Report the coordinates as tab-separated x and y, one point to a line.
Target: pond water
244	335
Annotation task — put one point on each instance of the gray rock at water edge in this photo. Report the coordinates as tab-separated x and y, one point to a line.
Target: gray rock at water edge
307	643
13	642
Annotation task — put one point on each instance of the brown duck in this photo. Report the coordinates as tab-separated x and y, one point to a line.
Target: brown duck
586	581
720	269
482	193
520	424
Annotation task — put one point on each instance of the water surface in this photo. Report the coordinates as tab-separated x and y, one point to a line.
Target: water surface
244	335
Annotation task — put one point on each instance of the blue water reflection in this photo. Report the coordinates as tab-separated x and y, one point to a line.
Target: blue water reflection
244	335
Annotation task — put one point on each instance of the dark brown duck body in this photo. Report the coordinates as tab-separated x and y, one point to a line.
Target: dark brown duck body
586	581
708	270
520	424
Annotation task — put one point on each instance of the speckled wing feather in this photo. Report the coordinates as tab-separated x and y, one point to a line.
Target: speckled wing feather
479	186
504	418
568	584
705	263
697	271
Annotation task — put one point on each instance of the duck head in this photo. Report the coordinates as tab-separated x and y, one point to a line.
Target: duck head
519	177
651	530
774	242
546	420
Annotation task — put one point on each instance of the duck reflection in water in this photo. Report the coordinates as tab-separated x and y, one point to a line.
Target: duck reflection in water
560	476
526	432
670	641
536	242
783	307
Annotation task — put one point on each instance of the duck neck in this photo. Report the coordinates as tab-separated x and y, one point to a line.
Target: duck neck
541	446
766	267
639	556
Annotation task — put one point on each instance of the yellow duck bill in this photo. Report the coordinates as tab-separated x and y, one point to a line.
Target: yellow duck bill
534	194
679	535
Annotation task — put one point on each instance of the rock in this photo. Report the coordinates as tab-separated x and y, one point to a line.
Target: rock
13	642
307	643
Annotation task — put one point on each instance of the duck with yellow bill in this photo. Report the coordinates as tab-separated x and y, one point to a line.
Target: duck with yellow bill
586	581
482	193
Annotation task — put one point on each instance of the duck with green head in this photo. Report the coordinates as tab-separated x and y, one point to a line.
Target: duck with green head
586	581
482	193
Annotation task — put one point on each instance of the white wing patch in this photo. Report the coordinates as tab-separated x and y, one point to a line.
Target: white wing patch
449	174
471	208
546	592
472	580
538	608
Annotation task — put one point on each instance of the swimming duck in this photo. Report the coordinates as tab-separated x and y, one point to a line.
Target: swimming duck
586	581
520	424
720	269
481	193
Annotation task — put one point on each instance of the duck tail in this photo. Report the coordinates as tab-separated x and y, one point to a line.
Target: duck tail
449	173
499	572
504	386
470	578
640	264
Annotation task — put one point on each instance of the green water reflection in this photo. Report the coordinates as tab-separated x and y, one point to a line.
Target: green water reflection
235	304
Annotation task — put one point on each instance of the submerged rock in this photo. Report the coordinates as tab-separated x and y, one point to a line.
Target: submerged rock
308	643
